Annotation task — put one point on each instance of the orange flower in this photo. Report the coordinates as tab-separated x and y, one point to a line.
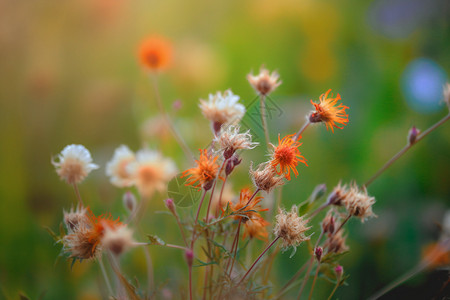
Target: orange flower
99	224
155	53
205	172
256	228
327	112
436	255
247	210
287	156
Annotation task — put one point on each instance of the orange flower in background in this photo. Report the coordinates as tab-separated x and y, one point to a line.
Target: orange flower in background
155	53
247	210
327	112
436	255
205	172
286	156
99	225
256	228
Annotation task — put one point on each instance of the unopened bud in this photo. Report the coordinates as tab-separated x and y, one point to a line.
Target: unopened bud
228	152
170	205
177	104
318	253
339	270
129	201
328	224
318	192
315	118
208	185
231	164
216	127
412	135
336	197
189	255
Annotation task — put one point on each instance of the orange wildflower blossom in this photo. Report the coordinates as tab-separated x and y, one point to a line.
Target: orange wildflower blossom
328	112
247	211
155	53
205	172
256	228
99	225
286	156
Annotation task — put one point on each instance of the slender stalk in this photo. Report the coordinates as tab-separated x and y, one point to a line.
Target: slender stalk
169	122
405	149
77	192
190	283
318	210
285	288
343	223
105	276
200	206
253	196
181	230
235	247
334	290
256	261
213	189
305	280
220	196
116	268
301	130
262	112
314	281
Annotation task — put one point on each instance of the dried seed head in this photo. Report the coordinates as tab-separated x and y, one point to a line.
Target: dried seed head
265	177
290	227
359	203
80	243
264	83
412	135
336	243
118	240
222	109
337	196
328	223
75	163
231	140
129	201
116	168
75	218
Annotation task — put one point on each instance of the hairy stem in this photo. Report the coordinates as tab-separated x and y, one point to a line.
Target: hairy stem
301	130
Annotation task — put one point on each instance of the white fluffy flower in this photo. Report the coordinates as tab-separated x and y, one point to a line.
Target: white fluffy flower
151	171
230	140
222	109
118	240
116	168
75	163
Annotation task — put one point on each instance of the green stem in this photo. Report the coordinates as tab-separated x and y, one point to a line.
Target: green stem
262	111
105	276
305	280
334	290
314	281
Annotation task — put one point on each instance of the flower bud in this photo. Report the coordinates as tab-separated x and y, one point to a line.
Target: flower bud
328	224
129	201
170	205
318	192
231	164
412	135
339	271
189	255
177	104
208	185
318	253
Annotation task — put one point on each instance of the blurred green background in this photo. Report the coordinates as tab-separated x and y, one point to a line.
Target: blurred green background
69	74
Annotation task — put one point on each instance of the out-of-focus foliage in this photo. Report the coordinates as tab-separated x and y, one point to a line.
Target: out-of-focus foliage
70	74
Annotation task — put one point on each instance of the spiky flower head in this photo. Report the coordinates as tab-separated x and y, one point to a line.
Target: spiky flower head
290	227
256	228
327	112
75	218
118	240
230	140
358	203
205	172
75	163
286	156
265	177
336	242
222	108
329	223
247	207
155	53
151	171
264	83
337	196
117	167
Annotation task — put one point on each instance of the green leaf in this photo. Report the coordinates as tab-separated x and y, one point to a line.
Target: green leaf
202	263
332	257
155	240
52	233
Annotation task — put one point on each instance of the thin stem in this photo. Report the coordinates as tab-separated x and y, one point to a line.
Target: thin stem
213	189
105	276
343	223
334	290
314	281
77	192
305	280
251	198
220	196
232	246
190	282
200	206
235	247
318	210
116	268
301	130
164	113
262	111
292	280
405	149
256	261
181	230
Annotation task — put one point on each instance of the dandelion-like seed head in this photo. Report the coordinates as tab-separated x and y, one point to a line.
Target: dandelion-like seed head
265	177
291	228
117	240
264	83
358	203
327	111
75	163
336	242
205	172
286	156
230	140
222	108
117	167
151	171
155	53
256	228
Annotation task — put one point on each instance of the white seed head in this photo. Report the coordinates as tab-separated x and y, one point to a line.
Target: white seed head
116	168
75	163
230	140
222	108
264	83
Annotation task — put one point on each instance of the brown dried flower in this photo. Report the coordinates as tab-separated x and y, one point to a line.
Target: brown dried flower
336	243
358	203
264	83
265	177
75	218
290	227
